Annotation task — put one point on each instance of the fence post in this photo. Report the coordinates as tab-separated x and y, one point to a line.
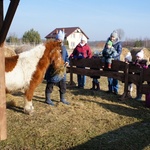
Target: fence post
141	80
126	77
71	73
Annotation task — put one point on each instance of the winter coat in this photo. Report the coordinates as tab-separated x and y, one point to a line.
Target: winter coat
109	52
81	52
142	63
118	47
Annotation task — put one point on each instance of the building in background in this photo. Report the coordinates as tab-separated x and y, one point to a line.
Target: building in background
73	36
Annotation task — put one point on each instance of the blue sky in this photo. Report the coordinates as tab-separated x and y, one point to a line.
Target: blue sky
97	18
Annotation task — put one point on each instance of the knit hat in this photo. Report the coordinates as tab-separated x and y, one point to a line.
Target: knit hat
114	34
84	39
109	43
140	54
60	35
128	57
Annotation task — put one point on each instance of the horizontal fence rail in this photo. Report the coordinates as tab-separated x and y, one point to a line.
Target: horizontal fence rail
119	70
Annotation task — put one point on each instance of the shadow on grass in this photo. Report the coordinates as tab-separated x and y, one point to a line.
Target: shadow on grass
109	97
130	137
41	99
18	93
16	108
11	105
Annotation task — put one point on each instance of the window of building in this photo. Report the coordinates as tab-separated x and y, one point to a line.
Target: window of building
73	44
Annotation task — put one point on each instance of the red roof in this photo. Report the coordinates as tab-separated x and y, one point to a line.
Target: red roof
68	31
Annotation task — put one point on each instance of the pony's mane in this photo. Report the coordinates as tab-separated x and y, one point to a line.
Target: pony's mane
52	49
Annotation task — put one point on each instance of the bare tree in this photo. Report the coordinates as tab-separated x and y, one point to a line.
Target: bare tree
120	33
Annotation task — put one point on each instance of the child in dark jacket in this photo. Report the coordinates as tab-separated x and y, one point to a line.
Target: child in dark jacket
95	82
108	54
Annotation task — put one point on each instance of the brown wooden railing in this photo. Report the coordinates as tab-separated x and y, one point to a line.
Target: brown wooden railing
120	70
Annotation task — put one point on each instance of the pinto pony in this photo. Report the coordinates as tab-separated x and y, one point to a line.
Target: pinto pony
27	69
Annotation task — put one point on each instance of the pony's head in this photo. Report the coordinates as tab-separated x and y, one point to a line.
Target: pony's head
55	56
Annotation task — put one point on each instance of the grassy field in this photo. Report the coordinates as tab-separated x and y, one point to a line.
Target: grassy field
93	121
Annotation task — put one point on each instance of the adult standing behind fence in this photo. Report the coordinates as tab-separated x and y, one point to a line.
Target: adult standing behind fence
113	84
82	50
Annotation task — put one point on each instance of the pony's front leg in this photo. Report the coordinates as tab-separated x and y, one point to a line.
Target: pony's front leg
28	106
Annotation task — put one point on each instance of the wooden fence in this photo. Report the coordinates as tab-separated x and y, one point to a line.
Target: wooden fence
120	70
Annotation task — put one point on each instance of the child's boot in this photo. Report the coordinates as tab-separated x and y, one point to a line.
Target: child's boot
129	94
93	86
48	99
97	87
63	100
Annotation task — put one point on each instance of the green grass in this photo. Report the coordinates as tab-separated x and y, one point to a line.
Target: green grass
93	121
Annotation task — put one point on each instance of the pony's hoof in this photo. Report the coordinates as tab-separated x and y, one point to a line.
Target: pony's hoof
28	112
